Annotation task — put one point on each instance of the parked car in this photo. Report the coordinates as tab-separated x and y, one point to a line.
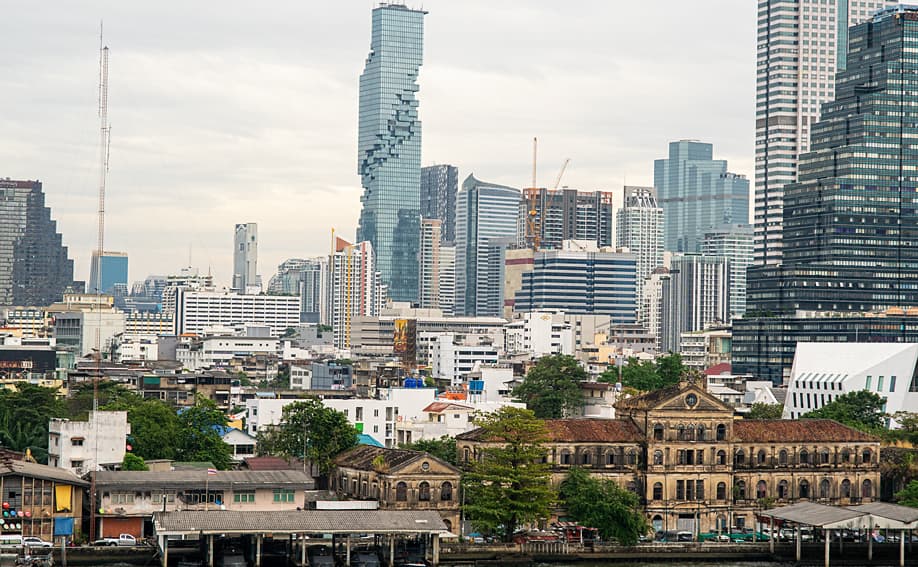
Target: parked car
32	541
123	540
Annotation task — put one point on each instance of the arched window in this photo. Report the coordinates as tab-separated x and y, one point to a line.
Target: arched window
782	458
448	524
740	490
587	458
658	432
446	491
824	488
783	492
657	523
424	492
760	458
565	457
658	491
846	456
845	489
721	457
824	457
631	457
721	491
658	457
721	432
867	489
467	454
804	457
401	492
804	490
610	458
866	456
761	489
701	432
681	435
740	457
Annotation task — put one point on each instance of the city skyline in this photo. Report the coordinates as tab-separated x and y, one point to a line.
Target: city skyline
215	126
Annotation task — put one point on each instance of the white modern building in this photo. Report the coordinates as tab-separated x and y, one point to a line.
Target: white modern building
824	371
538	334
451	358
639	230
85	323
733	242
801	45
695	296
217	351
137	348
354	288
245	258
86	446
197	311
447	278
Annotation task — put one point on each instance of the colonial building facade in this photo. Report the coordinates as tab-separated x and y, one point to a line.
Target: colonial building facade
399	480
697	468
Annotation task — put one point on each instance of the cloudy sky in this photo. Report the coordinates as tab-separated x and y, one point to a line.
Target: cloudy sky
233	111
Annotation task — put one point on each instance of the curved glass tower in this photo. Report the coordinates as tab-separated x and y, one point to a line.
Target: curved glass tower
389	147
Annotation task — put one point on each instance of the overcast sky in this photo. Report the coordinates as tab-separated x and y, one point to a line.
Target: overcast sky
233	111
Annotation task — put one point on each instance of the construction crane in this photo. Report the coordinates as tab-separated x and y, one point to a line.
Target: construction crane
535	220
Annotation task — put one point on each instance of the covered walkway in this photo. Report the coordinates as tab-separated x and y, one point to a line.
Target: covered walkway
867	518
298	523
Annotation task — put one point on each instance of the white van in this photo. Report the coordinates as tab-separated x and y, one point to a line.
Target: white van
10	542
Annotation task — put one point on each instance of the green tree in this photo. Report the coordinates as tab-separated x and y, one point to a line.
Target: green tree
155	428
132	462
324	432
765	411
551	388
24	417
860	409
443	448
510	484
647	376
908	496
604	505
109	394
200	435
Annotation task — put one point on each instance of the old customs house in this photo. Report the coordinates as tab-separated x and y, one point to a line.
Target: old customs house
699	468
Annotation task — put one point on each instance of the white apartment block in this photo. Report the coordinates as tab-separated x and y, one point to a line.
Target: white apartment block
197	311
137	348
429	264
354	288
801	44
824	371
452	359
447	276
538	334
85	446
147	324
639	229
218	351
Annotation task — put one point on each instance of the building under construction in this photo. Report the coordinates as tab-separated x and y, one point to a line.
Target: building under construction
567	214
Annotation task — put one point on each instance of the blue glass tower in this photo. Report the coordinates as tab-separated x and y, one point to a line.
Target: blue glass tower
389	147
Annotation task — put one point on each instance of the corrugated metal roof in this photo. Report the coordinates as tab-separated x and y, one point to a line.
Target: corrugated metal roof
900	514
818	515
296	521
197	478
35	470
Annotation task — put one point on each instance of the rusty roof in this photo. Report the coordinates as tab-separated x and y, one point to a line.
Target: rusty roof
797	431
271	464
364	457
580	430
439	407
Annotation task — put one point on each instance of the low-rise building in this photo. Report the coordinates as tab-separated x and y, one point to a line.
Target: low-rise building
703	349
47	501
399	480
84	446
439	419
453	357
126	500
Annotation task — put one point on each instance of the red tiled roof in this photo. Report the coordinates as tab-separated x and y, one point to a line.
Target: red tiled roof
439	407
580	431
796	431
271	464
718	369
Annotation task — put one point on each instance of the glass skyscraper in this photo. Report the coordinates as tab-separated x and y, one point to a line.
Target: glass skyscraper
114	276
439	187
389	147
697	193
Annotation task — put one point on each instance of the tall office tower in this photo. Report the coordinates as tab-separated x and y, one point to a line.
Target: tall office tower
34	267
580	279
696	294
733	242
483	211
313	289
389	147
801	45
448	280
429	263
639	228
114	266
697	193
245	257
354	288
439	187
567	214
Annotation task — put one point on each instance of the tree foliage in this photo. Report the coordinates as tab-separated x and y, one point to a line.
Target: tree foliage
111	395
604	505
860	409
510	484
646	375
765	411
132	462
324	432
155	427
200	434
24	417
551	388
908	496
443	448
